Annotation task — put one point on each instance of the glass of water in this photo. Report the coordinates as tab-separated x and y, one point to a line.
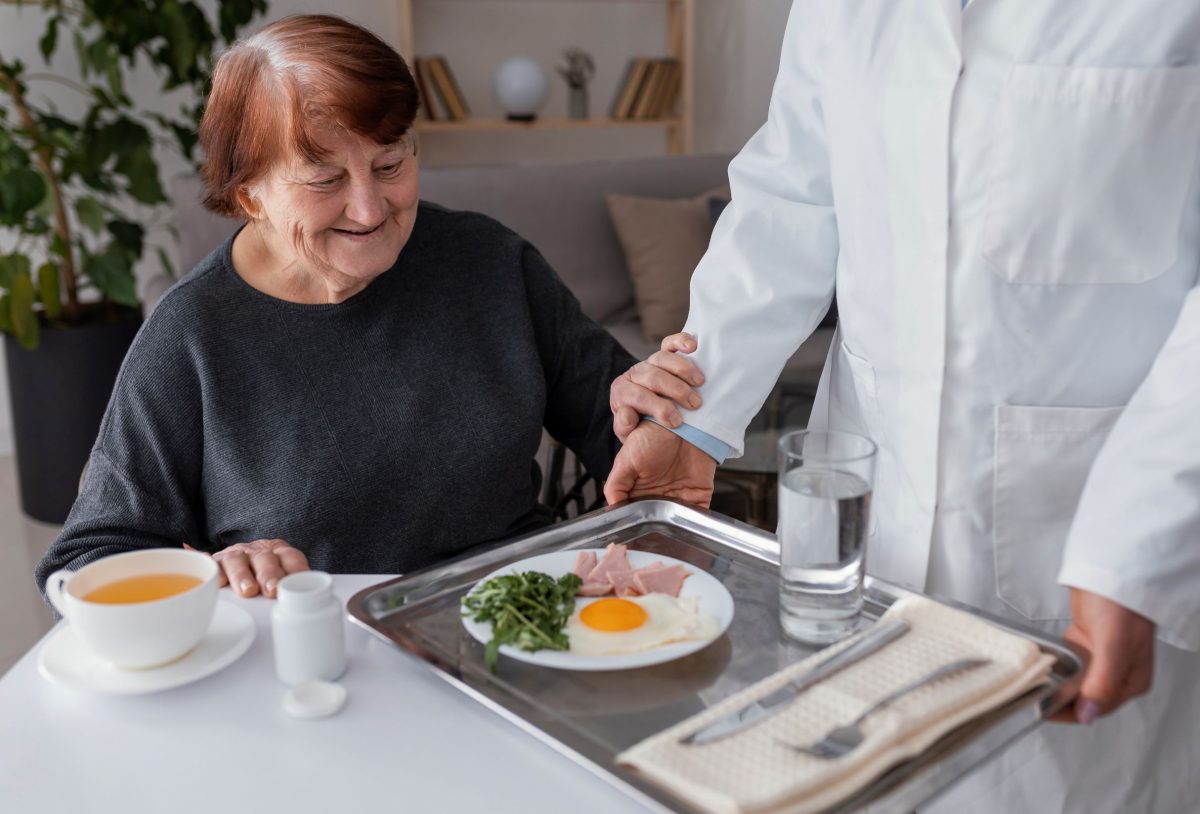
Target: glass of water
825	482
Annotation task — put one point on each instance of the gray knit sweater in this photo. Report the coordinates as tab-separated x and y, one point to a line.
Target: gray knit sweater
377	435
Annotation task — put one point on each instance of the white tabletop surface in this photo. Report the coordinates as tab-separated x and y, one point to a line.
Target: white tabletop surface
406	741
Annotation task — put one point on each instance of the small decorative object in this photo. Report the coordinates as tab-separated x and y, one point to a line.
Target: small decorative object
521	87
578	71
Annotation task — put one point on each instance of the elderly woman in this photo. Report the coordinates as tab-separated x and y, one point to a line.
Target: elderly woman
355	380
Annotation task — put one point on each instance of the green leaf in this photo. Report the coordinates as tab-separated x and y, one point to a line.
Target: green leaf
112	273
129	236
91	214
58	246
81	53
181	46
100	54
24	320
116	82
21	190
138	166
13	266
6	324
49	40
48	292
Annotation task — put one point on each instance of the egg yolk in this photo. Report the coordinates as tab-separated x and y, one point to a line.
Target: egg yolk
612	615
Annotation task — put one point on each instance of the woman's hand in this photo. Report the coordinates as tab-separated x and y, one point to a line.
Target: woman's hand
1119	644
655	386
258	566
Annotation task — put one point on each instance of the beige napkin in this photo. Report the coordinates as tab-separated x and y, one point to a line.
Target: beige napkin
752	772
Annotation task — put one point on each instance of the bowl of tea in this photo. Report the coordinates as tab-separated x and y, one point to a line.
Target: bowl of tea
142	609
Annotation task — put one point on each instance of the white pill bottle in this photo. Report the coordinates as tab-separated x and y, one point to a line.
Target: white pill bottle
308	628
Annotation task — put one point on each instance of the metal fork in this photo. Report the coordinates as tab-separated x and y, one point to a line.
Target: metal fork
842	740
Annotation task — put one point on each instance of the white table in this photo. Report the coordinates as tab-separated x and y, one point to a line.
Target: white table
406	741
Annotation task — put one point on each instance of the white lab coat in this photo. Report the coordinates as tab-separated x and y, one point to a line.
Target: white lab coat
1008	201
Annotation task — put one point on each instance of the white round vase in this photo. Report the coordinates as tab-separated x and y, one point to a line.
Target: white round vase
521	88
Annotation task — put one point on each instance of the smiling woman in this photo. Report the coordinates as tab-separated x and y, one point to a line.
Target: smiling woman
354	380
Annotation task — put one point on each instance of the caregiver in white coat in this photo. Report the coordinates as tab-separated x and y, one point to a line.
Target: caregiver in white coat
1007	198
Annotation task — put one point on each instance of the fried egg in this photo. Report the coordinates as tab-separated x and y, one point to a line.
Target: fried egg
615	625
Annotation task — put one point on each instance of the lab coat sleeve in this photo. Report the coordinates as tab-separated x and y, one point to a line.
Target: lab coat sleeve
768	275
1135	538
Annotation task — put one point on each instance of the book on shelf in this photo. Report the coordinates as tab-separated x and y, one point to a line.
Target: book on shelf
424	83
622	85
627	94
443	97
449	86
647	106
668	94
648	89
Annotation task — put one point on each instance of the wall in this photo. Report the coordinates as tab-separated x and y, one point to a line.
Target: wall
737	50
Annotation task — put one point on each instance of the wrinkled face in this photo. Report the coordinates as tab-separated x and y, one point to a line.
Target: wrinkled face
345	219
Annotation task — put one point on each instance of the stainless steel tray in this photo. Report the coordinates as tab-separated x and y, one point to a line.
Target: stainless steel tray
591	717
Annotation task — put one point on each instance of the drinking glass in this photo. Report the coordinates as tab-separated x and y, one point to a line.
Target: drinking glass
825	483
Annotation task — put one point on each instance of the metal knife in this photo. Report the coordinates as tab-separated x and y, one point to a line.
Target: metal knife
768	705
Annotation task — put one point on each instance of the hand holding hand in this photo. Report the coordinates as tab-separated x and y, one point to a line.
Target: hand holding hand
656	461
258	566
1120	644
655	387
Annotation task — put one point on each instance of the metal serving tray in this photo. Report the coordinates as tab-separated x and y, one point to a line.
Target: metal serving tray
592	716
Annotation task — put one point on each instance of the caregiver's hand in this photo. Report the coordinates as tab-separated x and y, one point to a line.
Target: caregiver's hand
258	566
656	461
654	386
1121	648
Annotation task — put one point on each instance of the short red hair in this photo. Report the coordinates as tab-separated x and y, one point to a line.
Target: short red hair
273	92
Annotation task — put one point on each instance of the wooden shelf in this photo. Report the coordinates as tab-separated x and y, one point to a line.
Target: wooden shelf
680	45
482	125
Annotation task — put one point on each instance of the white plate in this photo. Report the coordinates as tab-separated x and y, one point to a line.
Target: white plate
714	600
66	659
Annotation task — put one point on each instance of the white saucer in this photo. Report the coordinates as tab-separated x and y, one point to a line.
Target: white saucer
66	659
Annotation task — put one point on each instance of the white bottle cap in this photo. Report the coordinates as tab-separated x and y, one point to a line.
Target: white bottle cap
314	699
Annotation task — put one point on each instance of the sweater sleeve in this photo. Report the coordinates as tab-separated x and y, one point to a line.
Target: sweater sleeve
580	360
142	484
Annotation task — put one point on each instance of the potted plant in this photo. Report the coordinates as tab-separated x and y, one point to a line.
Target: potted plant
77	193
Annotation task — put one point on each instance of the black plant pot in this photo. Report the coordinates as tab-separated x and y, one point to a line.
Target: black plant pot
59	392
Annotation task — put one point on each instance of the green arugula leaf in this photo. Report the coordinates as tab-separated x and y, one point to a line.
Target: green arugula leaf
528	610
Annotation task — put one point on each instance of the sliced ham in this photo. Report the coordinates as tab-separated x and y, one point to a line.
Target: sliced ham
662	580
623	583
595	589
614	559
613	575
585	561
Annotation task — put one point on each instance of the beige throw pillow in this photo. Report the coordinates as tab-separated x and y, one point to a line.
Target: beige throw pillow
663	239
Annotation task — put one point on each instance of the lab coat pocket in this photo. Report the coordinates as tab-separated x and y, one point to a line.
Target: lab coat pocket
1043	455
1090	173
